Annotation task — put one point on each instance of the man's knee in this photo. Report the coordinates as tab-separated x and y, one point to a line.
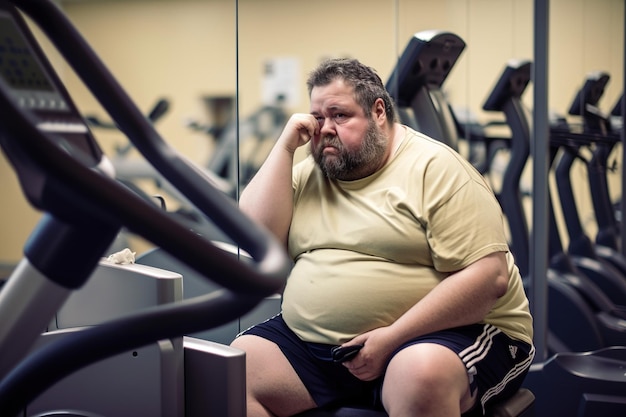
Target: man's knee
427	375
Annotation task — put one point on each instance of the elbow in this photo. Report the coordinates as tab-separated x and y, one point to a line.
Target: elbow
501	275
501	285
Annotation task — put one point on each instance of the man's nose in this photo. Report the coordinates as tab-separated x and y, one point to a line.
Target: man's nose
327	126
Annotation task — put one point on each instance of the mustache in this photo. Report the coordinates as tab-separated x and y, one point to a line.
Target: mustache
331	141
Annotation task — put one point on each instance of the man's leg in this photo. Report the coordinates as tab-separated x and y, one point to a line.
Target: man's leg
426	379
273	387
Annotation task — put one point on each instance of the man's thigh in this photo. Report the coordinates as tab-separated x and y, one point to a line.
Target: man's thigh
271	380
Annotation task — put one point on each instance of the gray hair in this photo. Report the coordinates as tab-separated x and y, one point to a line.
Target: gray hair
368	87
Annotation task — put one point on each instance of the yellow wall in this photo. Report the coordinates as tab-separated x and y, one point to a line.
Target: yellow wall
183	49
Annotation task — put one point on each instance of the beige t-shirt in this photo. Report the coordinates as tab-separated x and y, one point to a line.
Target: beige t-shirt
366	251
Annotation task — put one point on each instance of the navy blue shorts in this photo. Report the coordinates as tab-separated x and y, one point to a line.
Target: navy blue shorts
496	364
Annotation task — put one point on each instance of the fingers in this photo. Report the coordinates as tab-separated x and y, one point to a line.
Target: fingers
364	365
358	367
362	372
305	125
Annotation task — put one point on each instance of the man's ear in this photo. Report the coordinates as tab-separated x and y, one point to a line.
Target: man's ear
378	111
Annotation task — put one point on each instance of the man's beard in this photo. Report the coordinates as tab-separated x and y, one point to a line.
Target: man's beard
352	165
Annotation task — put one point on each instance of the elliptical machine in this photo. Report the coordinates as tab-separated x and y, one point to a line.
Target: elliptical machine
569	383
598	133
64	173
416	81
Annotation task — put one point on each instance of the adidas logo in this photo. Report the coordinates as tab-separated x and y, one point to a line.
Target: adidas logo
513	351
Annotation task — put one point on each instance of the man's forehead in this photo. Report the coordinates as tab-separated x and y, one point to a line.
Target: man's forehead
330	97
336	84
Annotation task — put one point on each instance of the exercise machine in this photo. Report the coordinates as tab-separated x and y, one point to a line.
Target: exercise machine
416	86
63	173
132	171
569	382
598	265
242	145
506	97
194	285
596	314
416	81
598	132
603	265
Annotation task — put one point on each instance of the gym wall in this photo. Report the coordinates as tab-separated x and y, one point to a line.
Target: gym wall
186	49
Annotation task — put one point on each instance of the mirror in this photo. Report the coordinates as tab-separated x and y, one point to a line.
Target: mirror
219	61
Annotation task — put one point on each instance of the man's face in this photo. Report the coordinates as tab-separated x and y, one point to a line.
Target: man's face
350	144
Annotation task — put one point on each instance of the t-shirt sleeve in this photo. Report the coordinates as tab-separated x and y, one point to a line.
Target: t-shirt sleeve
465	226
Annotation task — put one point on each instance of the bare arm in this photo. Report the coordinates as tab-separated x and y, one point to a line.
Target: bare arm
463	298
268	198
